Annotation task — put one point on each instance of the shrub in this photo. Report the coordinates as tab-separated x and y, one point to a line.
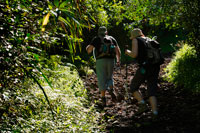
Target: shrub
184	69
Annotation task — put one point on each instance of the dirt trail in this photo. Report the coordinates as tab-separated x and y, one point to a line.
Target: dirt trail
178	110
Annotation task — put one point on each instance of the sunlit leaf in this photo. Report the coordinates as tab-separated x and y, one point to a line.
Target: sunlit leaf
36	56
28	34
67	12
64	21
91	17
58	110
46	19
76	21
29	68
50	6
54	13
63	4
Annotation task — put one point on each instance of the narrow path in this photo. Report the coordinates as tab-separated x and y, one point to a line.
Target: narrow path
178	110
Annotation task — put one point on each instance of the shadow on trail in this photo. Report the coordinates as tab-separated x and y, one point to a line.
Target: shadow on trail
178	110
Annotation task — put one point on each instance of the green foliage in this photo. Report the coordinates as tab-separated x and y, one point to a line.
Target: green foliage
105	12
83	66
173	14
69	100
184	69
30	30
33	31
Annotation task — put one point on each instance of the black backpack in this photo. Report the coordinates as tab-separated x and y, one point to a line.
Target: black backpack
152	52
107	48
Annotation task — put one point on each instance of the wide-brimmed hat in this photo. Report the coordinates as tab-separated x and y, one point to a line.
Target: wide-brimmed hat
136	33
102	31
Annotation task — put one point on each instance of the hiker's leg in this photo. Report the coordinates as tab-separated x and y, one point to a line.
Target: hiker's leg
103	98
137	95
152	80
109	74
101	76
110	67
109	78
152	97
103	92
141	103
153	103
137	80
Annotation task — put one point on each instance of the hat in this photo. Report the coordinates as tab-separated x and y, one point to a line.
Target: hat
136	32
102	31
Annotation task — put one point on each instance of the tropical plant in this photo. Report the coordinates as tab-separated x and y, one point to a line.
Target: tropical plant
29	29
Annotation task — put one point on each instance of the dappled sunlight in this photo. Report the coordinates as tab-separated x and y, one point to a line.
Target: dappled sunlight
48	80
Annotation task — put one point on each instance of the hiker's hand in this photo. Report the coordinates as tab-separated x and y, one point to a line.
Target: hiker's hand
126	48
126	53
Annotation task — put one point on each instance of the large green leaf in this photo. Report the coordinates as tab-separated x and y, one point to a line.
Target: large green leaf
65	21
64	4
56	3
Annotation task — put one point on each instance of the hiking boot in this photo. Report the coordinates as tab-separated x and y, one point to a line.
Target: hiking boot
154	117
103	101
142	108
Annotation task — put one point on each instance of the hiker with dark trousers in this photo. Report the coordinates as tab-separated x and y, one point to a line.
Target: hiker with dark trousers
105	61
145	71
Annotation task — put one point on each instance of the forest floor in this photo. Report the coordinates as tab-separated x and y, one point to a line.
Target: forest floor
178	109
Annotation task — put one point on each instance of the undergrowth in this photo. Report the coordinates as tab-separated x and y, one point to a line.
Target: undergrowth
184	69
28	111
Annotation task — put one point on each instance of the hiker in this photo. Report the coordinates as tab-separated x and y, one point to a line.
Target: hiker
106	49
146	71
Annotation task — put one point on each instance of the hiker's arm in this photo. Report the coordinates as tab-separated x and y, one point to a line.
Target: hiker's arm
118	53
117	50
89	49
134	52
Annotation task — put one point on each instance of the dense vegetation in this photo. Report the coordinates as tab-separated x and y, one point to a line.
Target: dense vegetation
184	69
41	40
32	31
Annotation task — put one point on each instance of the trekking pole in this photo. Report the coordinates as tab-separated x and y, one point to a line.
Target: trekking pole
127	97
125	85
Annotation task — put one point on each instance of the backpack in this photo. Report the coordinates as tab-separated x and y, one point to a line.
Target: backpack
153	52
107	48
